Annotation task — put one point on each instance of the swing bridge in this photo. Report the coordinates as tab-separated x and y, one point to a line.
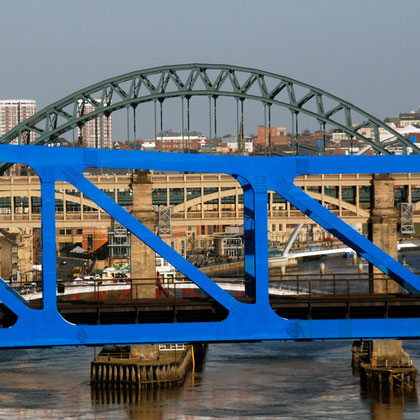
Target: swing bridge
253	318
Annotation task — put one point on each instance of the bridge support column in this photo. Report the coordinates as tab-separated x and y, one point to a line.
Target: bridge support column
385	356
383	226
249	238
143	260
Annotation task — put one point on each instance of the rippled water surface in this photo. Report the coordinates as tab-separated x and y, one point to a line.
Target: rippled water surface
264	380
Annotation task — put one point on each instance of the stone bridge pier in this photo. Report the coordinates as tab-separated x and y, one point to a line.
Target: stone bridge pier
383	232
143	259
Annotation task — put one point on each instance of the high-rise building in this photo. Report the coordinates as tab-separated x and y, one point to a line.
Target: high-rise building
13	112
95	133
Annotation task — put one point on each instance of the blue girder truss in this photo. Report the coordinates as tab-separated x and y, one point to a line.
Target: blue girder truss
245	322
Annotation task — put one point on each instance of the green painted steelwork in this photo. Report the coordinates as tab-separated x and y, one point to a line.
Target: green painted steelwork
212	80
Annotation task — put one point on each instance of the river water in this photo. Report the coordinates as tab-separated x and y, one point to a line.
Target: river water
237	381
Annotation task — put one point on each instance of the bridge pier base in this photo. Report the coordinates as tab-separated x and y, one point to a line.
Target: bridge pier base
117	368
386	363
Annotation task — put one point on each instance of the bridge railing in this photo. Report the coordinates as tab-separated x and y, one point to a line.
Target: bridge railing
336	284
180	287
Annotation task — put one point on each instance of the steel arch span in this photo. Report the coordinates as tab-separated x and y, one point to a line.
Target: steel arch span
257	176
211	80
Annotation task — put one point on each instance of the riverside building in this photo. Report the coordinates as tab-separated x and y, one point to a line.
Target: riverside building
97	132
13	112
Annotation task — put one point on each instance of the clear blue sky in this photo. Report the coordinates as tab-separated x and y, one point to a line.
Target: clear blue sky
365	51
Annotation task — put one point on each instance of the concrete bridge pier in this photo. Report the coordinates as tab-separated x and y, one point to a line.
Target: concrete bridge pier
387	362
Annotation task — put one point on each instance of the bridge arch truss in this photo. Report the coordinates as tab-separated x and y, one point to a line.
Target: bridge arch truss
210	80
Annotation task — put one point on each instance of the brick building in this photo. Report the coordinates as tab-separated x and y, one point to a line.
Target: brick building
278	135
94	238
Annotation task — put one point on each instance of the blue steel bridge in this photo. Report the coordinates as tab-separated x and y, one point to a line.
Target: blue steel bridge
253	318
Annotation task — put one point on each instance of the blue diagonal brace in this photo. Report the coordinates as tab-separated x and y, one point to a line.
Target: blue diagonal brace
12	299
150	239
348	235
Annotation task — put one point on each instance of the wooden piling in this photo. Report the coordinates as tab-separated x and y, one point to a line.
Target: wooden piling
389	376
118	369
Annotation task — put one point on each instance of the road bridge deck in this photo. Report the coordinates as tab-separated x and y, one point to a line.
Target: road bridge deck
304	307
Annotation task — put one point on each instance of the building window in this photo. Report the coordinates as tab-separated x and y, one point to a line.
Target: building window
79	231
65	231
90	241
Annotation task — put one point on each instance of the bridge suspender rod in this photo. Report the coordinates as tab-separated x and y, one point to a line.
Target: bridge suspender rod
96	134
215	119
293	130
155	121
182	124
108	135
161	125
269	131
188	124
104	143
128	127
210	128
237	127
242	127
265	129
135	127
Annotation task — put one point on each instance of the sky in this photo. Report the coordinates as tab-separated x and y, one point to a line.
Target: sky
364	51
